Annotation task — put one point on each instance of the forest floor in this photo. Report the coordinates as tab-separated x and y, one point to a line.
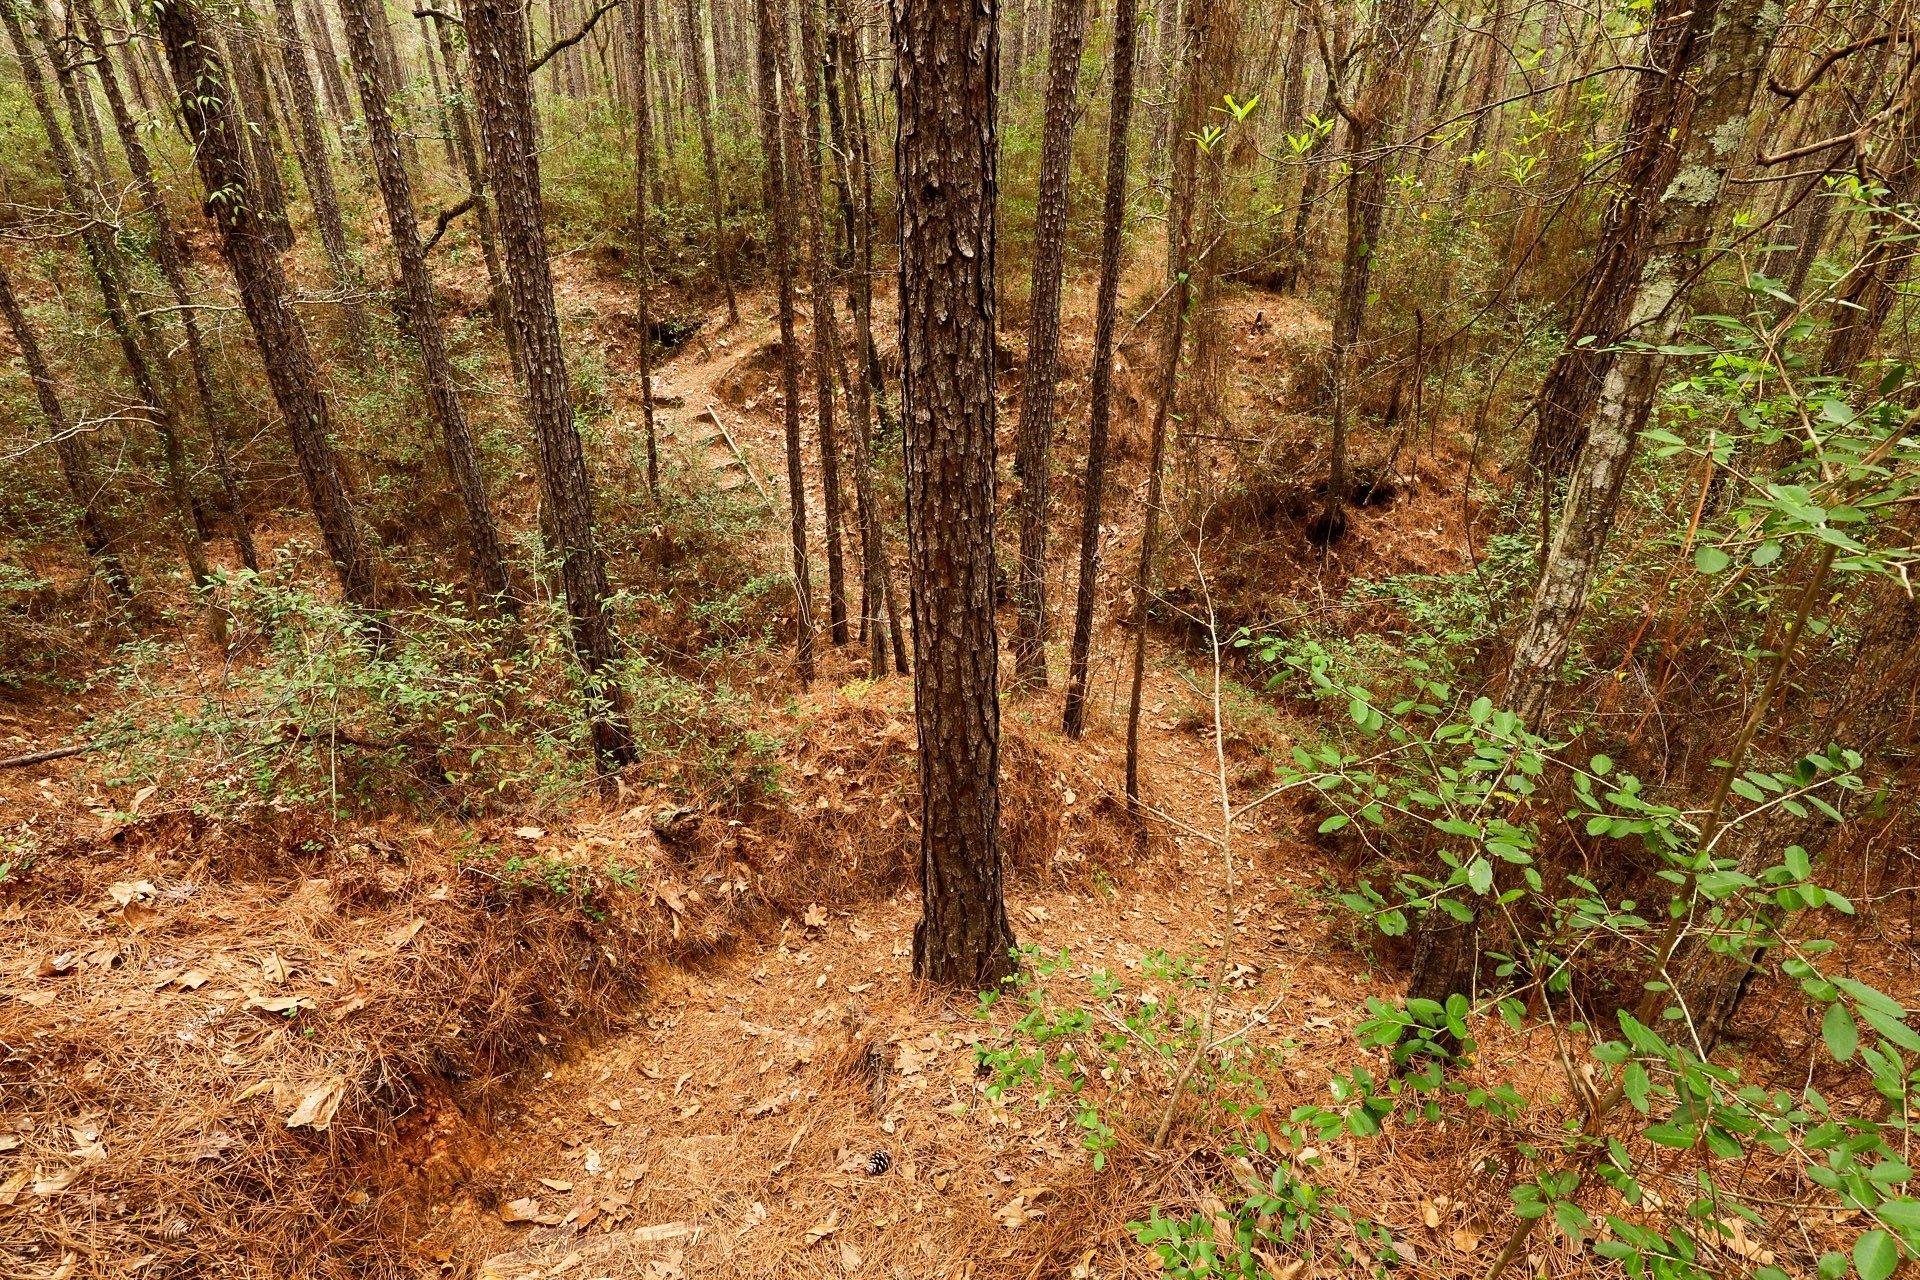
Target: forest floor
794	1104
416	1062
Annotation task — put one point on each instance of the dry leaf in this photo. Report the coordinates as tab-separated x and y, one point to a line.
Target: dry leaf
821	1230
54	1184
1468	1235
1429	1214
318	1103
529	833
275	968
525	1209
404	934
124	891
280	1004
556	1184
815	917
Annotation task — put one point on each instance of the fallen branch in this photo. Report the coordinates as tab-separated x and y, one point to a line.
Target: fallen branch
42	757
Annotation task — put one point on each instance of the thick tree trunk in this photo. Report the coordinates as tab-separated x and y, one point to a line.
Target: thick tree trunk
215	128
703	117
318	168
946	51
423	312
497	37
96	529
1564	403
779	220
1033	455
1100	393
1730	52
171	255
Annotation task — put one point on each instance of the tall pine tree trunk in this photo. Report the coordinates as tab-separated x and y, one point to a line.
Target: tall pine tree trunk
318	168
946	51
802	137
1100	393
1200	14
637	32
1033	456
133	332
215	127
423	312
498	296
703	117
96	529
497	37
170	253
779	220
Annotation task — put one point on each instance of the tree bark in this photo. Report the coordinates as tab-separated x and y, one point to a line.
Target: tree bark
497	38
97	533
946	51
779	219
1033	456
1100	392
423	312
215	126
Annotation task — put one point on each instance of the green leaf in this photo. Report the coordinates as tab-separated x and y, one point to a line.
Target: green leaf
1892	1028
1636	1085
1765	554
1840	1032
1334	823
1711	559
1480	875
1603	765
1875	1255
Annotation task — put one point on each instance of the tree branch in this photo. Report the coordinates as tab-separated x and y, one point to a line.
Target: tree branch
445	220
585	29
